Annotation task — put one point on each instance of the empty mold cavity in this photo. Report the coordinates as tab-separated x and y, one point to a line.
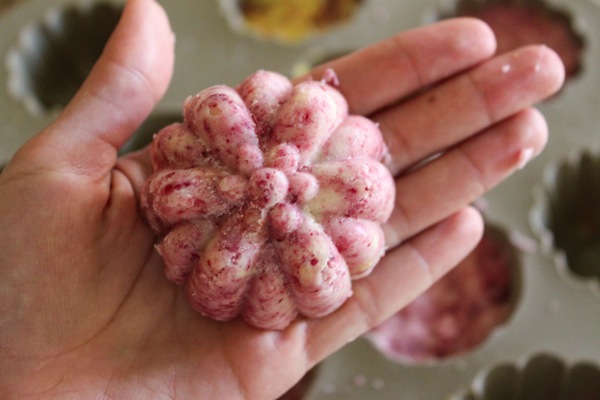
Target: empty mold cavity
460	311
541	377
54	56
566	213
287	22
521	22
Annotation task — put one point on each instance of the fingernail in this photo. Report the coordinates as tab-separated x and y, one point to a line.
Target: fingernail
524	156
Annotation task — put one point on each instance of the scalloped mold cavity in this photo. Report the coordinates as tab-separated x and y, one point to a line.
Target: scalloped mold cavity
518	23
54	56
541	377
566	213
460	311
287	22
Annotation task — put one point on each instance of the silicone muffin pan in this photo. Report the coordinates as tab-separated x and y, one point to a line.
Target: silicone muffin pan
518	22
547	345
541	377
53	57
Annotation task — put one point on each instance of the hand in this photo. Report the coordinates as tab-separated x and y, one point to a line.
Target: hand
85	311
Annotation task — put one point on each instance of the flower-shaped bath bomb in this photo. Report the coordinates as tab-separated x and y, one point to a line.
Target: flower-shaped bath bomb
268	199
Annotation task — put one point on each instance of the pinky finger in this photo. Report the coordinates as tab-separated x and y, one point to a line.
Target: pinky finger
401	276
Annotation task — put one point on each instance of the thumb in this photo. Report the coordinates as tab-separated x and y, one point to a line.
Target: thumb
127	81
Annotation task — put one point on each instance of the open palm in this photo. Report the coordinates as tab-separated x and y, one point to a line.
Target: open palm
85	311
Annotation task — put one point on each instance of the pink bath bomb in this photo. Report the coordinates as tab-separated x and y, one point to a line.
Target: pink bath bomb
267	199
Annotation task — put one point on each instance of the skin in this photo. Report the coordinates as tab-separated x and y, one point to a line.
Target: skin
85	310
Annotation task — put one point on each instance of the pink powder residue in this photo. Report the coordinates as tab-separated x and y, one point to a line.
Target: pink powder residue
520	24
457	313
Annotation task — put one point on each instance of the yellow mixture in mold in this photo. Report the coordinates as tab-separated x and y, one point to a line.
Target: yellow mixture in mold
294	20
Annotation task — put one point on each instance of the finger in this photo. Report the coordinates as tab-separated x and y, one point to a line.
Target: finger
468	103
137	166
402	275
460	176
382	74
131	75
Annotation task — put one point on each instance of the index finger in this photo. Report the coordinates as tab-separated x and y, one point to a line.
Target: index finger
384	73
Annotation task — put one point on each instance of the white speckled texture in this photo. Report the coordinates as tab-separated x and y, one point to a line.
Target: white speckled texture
260	205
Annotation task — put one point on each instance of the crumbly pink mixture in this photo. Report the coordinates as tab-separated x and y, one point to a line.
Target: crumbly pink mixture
268	199
457	313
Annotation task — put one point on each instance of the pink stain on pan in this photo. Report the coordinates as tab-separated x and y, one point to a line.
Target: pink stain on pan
456	314
521	23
